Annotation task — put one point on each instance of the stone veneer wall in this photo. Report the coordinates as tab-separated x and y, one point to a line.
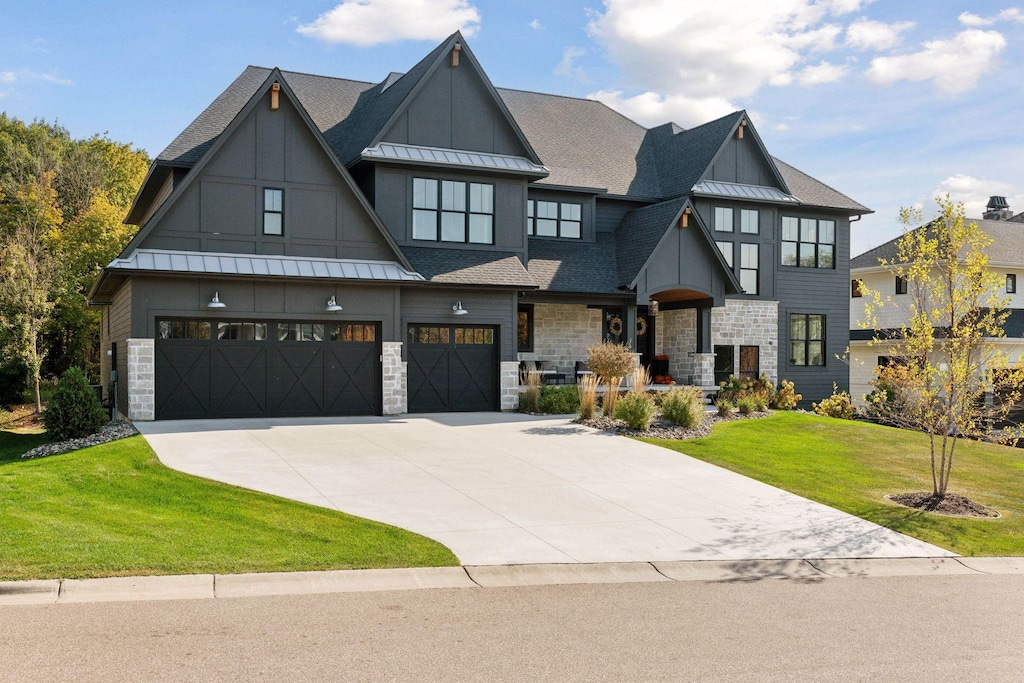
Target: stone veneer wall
562	333
749	323
509	378
675	335
393	379
141	379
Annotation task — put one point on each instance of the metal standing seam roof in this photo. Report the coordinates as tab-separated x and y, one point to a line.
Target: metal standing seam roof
390	151
160	260
763	193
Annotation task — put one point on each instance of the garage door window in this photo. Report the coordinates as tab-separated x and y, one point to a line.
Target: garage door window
301	332
474	335
353	333
242	331
184	329
423	334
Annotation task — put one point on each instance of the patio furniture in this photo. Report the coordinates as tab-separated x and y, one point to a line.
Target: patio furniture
551	373
582	369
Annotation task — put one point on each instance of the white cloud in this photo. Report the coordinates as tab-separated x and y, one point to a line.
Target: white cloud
974	193
536	25
705	55
1012	14
651	108
780	127
28	76
8	77
822	73
865	34
971	19
370	22
955	65
568	66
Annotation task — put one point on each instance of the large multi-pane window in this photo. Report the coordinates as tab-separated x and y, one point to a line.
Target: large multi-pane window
273	211
749	221
806	339
723	219
808	242
727	251
554	219
452	211
749	268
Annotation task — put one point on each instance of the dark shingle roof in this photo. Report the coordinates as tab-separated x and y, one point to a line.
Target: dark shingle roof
814	192
684	155
638	235
564	266
468	266
583	142
1007	245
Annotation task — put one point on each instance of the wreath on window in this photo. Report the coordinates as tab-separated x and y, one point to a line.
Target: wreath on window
615	325
641	326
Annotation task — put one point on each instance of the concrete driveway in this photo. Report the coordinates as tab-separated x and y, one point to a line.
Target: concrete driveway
512	489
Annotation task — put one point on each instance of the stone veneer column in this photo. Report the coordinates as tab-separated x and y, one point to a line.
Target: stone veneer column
509	377
704	369
141	379
393	379
749	323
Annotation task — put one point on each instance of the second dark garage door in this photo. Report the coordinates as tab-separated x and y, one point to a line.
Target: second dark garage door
265	369
452	368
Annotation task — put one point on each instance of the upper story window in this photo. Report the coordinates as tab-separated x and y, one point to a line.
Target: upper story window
554	219
901	285
749	268
723	219
749	221
452	211
727	251
1011	283
855	291
273	211
808	242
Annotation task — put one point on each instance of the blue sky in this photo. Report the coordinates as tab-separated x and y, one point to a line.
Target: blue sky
889	101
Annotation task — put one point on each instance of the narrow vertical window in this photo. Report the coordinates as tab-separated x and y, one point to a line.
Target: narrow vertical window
806	339
901	285
481	213
723	219
749	221
1011	283
855	291
424	209
529	216
726	249
273	212
524	327
790	240
453	211
749	266
547	219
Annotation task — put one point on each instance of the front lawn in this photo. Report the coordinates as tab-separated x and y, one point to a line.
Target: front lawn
114	510
852	465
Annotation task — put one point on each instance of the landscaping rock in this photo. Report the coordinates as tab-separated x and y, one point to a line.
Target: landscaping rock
112	431
663	429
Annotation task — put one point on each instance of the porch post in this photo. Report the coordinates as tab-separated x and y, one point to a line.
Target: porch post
703	328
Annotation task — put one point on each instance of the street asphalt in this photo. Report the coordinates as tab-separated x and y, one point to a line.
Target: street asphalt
900	628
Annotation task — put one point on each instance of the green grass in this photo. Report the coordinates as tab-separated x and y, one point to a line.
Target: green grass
114	510
852	465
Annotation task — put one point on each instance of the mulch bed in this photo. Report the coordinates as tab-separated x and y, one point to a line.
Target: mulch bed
22	417
951	504
663	429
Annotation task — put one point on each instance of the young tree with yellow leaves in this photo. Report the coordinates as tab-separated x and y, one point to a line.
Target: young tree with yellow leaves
949	366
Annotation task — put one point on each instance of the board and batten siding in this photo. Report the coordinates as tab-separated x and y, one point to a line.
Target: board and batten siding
116	327
222	209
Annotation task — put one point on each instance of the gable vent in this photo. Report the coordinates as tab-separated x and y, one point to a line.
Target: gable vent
275	94
739	129
455	54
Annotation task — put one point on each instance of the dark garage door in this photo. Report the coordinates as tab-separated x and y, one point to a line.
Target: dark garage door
265	369
452	368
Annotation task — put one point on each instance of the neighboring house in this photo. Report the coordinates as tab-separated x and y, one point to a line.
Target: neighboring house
320	246
1006	257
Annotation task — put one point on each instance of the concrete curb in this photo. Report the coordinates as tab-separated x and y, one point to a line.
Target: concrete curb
209	586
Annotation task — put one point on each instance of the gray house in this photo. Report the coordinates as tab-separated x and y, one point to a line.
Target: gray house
320	246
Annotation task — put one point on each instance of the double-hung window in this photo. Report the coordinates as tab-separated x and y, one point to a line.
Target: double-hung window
554	219
727	251
452	211
749	221
273	211
808	242
723	219
749	268
806	339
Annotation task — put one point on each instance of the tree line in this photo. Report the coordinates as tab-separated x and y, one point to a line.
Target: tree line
62	206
